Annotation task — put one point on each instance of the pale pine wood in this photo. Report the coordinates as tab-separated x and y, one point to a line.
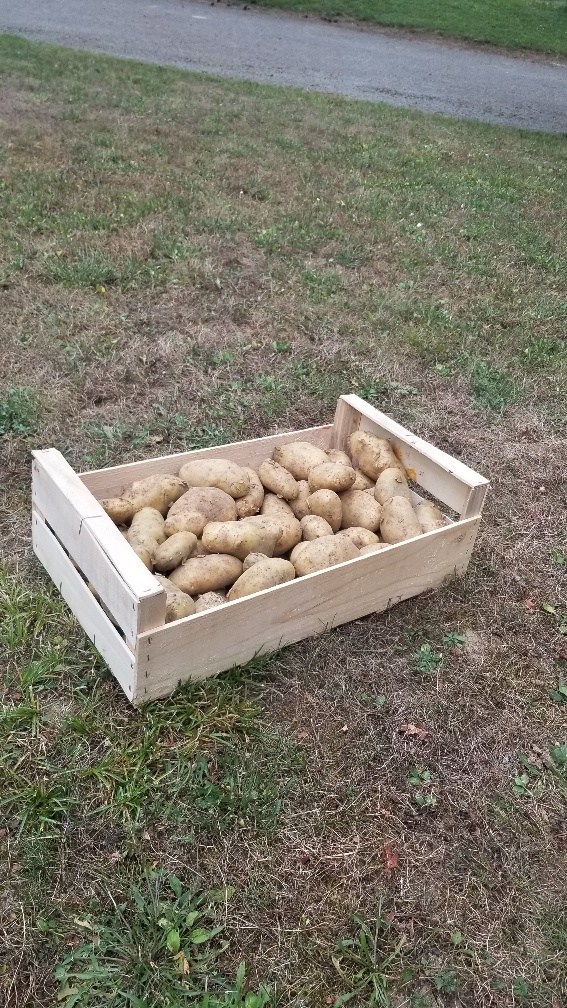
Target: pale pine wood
93	620
346	421
447	479
112	482
130	592
210	642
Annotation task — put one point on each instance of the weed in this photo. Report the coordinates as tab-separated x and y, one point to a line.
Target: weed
19	411
159	947
425	660
371	963
420	780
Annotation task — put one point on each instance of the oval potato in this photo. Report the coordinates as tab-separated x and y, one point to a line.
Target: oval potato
251	559
362	482
299	457
146	533
276	508
361	537
326	504
177	603
278	480
119	509
336	455
154	491
296	551
174	551
251	503
210	600
331	476
200	575
399	521
299	504
324	552
360	510
241	538
391	483
372	453
313	527
219	473
261	576
429	516
197	507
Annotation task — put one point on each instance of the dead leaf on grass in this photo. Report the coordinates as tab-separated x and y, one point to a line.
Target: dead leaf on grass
391	857
412	729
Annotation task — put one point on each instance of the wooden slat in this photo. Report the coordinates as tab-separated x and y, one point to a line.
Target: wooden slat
447	479
93	620
346	421
130	592
210	642
112	482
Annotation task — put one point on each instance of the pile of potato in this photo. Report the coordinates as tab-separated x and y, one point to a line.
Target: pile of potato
219	531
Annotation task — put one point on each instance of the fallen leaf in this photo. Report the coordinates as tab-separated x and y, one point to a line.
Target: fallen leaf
412	729
391	857
529	604
302	734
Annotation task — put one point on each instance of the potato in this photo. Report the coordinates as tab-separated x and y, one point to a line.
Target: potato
331	476
210	600
253	558
219	473
177	603
278	480
155	491
313	527
391	483
251	503
241	538
361	537
399	521
326	504
299	504
261	576
372	453
198	506
429	516
297	550
360	510
324	552
119	509
362	482
277	509
299	457
146	533
336	455
174	551
200	575
373	548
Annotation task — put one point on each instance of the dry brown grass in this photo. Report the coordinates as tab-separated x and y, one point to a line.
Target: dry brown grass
268	259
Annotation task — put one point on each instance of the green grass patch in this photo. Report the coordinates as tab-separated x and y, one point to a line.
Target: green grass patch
516	24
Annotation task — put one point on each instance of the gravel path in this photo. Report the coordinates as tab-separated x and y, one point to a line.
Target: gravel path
262	46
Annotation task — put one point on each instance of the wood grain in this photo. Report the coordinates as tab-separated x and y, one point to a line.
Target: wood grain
130	592
447	479
93	620
210	642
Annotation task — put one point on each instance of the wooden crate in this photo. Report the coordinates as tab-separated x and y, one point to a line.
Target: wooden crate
77	542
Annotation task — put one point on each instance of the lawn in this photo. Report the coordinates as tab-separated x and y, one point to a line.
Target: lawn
375	817
516	24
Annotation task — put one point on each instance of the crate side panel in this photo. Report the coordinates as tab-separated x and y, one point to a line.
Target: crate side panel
214	641
130	592
112	482
93	620
449	480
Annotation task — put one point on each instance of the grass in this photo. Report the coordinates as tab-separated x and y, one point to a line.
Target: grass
539	25
374	816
